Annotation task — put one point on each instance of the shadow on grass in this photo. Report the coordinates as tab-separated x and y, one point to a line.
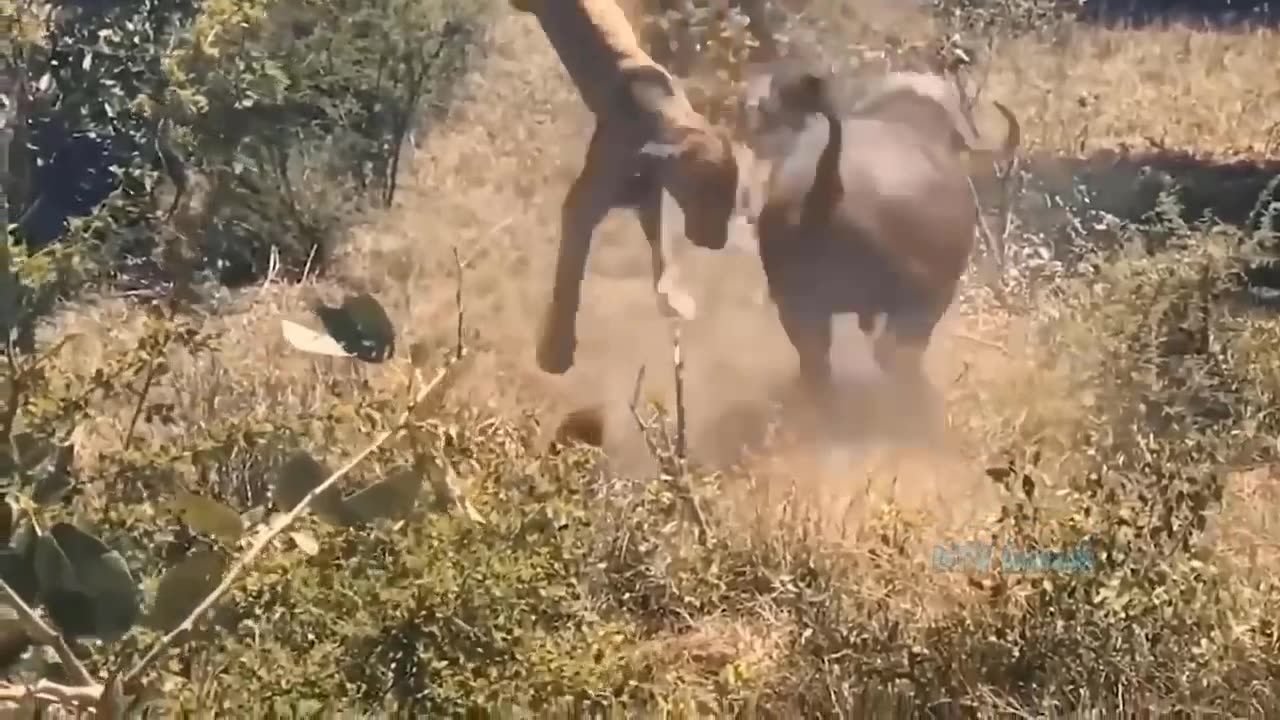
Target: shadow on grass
1071	204
1211	14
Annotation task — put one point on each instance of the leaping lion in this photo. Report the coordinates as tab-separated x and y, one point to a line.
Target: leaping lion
648	139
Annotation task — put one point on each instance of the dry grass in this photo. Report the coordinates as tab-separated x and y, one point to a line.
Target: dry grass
489	179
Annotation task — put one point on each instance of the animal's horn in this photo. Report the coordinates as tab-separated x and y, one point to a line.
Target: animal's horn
969	133
1014	137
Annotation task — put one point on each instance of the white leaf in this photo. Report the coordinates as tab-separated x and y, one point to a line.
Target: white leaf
305	542
310	341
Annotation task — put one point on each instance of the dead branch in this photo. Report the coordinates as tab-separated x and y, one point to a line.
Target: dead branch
40	632
678	364
670	455
457	296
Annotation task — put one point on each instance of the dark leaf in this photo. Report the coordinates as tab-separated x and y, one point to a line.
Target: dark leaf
361	326
183	586
53	568
300	475
72	611
104	576
392	498
19	571
8	521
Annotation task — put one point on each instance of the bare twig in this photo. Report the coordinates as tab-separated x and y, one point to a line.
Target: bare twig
39	632
671	461
980	341
678	364
480	244
458	264
153	369
277	527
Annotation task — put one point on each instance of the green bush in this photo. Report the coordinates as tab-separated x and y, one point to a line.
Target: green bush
247	128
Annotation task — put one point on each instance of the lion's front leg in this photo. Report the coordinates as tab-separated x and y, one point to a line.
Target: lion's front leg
673	299
589	199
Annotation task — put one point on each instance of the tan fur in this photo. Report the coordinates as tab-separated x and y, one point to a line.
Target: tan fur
648	141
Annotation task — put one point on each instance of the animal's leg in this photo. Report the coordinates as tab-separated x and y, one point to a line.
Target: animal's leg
673	299
899	348
899	351
590	198
810	334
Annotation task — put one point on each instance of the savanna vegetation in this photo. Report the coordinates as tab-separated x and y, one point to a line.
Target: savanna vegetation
275	443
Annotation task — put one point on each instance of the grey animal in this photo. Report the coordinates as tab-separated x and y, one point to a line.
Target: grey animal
897	221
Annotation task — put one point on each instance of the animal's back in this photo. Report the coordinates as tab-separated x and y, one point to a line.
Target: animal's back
901	235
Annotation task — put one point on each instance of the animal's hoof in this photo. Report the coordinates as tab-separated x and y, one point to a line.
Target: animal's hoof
673	301
677	303
555	353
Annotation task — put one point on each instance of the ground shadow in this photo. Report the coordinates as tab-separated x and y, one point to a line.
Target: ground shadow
1212	14
1068	203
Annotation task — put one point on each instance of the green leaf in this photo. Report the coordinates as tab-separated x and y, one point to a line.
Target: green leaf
208	516
300	475
104	576
392	498
184	585
361	326
305	542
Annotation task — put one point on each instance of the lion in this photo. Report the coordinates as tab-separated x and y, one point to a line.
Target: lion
648	140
